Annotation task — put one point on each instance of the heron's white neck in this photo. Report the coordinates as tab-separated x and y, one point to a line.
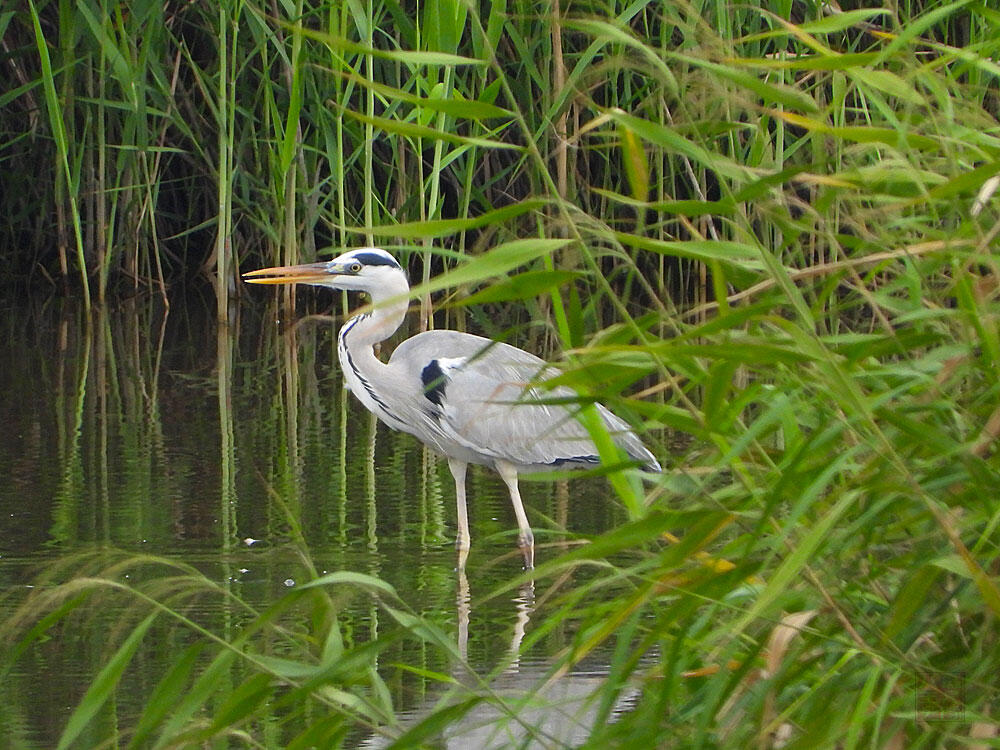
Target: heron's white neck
365	330
363	371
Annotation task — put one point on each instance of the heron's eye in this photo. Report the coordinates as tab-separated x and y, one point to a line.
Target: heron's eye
355	268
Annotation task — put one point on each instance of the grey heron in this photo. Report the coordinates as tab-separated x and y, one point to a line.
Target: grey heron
471	399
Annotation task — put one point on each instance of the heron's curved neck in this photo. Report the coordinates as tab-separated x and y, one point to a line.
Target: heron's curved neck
358	336
368	328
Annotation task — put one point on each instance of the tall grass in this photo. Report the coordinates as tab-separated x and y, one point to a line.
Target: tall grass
774	225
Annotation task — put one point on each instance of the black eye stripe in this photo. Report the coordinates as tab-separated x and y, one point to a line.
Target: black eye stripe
375	259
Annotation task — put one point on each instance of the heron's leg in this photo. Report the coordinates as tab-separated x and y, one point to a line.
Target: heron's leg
463	540
525	539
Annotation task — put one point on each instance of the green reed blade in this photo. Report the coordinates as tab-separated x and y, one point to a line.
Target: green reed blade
104	684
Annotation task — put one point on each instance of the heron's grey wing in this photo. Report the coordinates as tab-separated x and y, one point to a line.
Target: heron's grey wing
495	405
481	393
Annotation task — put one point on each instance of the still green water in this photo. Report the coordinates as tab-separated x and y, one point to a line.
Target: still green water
150	430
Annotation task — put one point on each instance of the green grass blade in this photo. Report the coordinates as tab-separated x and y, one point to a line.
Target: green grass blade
104	684
62	145
165	695
445	227
792	565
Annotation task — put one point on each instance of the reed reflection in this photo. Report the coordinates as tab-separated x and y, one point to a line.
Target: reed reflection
148	434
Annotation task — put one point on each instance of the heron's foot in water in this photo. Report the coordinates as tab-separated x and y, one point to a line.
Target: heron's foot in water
463	555
529	557
462	546
526	541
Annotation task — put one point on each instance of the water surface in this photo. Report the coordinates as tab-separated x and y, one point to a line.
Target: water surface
148	430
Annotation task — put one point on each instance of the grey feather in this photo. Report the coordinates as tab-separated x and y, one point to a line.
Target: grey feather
493	406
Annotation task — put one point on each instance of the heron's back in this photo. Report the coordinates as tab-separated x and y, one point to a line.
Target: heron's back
480	400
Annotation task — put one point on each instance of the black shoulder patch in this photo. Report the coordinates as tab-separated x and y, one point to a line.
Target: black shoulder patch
434	380
376	259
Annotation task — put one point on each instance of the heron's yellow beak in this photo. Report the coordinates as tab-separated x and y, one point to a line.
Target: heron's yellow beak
307	273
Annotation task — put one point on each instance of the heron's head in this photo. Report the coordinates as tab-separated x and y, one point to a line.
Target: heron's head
367	269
